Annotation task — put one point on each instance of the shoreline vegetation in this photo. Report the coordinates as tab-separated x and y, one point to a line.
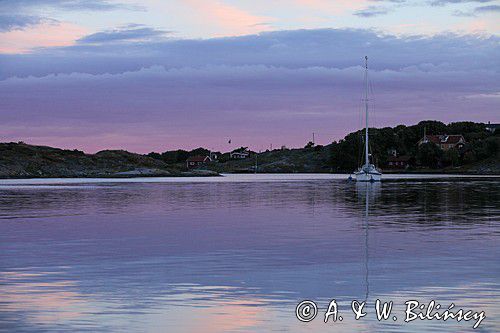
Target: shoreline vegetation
479	154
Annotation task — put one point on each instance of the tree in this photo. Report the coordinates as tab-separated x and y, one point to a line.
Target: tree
451	156
463	127
469	157
429	155
155	155
199	151
175	156
492	145
431	127
345	155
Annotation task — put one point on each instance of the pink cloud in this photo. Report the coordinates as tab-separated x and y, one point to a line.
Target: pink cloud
42	35
228	20
334	7
478	25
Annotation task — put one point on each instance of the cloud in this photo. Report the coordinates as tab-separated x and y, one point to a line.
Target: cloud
48	33
22	14
371	11
79	5
447	2
391	1
271	87
133	32
338	7
461	13
477	11
227	19
18	22
95	5
487	9
338	48
490	95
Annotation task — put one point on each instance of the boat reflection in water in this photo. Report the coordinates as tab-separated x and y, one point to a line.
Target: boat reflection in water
367	192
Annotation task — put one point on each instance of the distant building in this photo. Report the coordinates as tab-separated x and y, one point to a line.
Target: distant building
240	153
444	141
492	127
196	161
398	162
213	156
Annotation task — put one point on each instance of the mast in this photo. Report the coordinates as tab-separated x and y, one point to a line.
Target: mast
367	160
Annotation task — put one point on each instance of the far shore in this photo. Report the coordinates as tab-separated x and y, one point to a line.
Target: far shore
462	148
241	177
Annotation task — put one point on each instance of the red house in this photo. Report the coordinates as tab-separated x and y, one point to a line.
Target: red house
196	161
444	141
398	162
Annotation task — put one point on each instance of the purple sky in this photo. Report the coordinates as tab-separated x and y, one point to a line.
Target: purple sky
138	88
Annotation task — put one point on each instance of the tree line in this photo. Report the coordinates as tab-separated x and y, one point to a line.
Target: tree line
347	154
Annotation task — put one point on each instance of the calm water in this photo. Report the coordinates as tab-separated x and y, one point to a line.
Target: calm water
237	254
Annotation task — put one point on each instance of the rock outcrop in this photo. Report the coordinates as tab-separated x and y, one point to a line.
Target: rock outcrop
20	160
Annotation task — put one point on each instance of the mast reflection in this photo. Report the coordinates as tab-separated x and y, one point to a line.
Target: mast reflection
367	191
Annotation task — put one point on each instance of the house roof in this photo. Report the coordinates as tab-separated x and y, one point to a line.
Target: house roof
445	138
197	158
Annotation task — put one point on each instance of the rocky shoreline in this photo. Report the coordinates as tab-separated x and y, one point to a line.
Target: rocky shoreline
20	160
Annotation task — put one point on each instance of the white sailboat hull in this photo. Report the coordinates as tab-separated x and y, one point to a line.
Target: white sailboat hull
362	176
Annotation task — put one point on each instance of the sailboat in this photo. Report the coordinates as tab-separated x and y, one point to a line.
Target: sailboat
367	172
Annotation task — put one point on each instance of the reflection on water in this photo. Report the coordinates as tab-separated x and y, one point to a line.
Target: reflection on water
237	256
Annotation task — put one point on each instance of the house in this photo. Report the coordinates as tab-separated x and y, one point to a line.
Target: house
196	161
398	162
492	127
240	153
444	141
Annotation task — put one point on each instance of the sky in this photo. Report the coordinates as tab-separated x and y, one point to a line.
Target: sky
157	75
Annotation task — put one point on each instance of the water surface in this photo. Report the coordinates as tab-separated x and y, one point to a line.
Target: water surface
237	253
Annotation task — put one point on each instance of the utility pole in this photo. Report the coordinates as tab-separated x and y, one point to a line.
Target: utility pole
313	140
256	165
